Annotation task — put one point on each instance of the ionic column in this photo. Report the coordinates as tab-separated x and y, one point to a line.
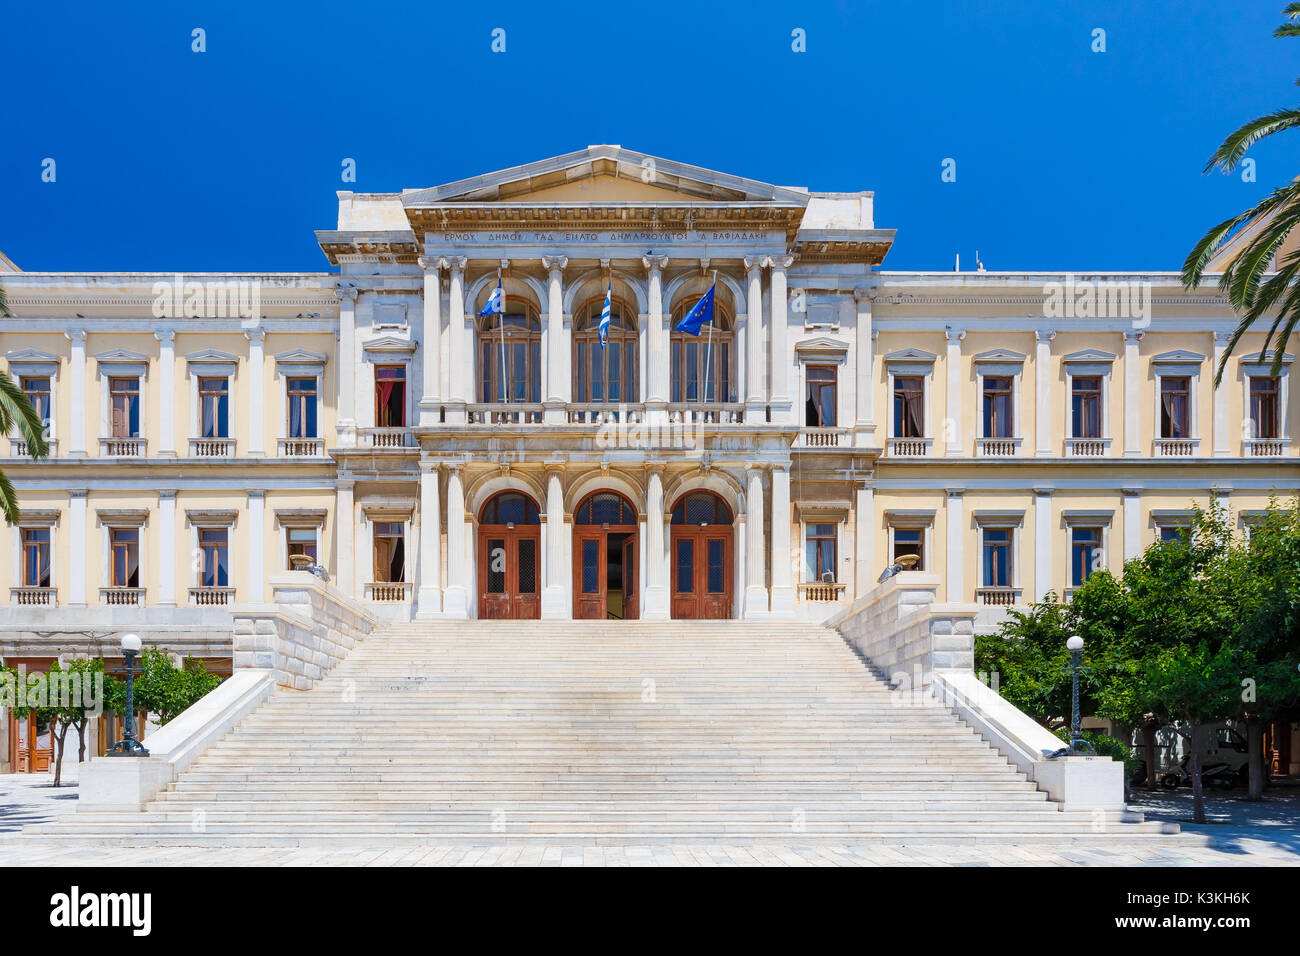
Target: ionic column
864	383
782	556
1132	523
656	374
455	599
1042	540
657	561
952	363
756	595
166	547
953	518
429	598
77	554
256	545
460	351
166	391
780	388
1043	391
555	597
755	342
556	390
256	402
347	374
77	410
864	540
1221	434
345	519
1132	394
431	341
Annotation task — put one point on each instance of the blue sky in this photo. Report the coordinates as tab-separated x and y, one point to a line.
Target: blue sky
229	159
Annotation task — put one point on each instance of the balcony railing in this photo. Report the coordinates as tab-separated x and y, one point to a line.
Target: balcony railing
998	596
386	437
302	447
122	447
606	414
122	596
821	590
208	597
1087	447
494	414
910	447
389	592
1176	447
30	596
823	437
18	447
212	447
997	447
715	413
1266	447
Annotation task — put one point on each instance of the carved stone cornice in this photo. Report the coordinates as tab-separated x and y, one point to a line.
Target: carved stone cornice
622	216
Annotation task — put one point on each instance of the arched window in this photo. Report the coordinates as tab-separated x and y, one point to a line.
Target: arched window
702	365
510	355
701	507
606	374
510	507
605	507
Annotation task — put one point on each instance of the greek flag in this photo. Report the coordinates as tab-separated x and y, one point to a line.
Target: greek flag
496	303
603	331
700	314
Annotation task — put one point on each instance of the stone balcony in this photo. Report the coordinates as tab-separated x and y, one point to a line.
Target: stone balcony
33	596
998	596
18	448
1266	447
388	592
1176	447
212	447
386	437
997	447
301	447
123	447
122	597
1087	447
909	447
211	596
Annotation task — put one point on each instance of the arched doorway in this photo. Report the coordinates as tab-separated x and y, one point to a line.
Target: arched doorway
509	549
605	558
702	540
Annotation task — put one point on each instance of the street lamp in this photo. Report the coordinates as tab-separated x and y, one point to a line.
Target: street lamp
128	746
1077	744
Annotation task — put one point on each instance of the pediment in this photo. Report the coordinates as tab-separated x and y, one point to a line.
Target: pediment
1089	355
1000	355
911	355
120	356
30	357
822	343
1179	355
211	357
300	357
389	343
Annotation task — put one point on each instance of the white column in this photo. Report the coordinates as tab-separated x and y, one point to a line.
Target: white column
955	578
777	346
77	409
556	390
431	343
782	556
1132	525
167	564
656	375
456	596
864	382
1043	391
1219	497
864	539
77	554
952	415
256	401
347	374
756	362
429	599
166	391
1043	542
1222	435
657	562
256	545
460	351
1132	394
555	604
756	597
345	521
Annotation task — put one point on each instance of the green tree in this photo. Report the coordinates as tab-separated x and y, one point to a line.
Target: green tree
162	688
1249	292
16	412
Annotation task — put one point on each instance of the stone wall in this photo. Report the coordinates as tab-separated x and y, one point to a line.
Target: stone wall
307	628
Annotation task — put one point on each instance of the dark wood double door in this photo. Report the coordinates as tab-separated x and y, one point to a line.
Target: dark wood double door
509	559
605	546
701	542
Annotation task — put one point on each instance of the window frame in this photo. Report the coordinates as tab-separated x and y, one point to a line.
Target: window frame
487	334
585	333
724	338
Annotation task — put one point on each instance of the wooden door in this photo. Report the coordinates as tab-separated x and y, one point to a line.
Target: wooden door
701	570
590	576
631	609
508	572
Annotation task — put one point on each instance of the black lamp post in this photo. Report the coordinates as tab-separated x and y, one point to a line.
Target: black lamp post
128	746
1077	744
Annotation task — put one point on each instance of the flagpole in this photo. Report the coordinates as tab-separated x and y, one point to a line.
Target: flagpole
708	348
505	386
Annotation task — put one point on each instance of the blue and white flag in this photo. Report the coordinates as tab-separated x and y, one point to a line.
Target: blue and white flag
496	303
602	332
701	314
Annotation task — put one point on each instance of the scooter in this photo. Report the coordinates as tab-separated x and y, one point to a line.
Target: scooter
1219	774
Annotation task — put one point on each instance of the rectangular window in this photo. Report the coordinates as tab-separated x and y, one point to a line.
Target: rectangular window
124	403
1170	532
124	545
214	543
1085	551
909	412
819	395
214	407
1264	406
1085	406
910	541
390	551
36	557
821	553
997	407
1175	406
301	542
997	557
37	390
390	396
302	407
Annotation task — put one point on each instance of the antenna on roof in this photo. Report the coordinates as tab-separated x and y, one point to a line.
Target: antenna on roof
957	267
979	266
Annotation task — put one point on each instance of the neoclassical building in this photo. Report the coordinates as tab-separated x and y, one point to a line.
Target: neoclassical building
1013	430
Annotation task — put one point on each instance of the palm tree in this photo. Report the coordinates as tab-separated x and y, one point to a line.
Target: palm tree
1276	215
17	411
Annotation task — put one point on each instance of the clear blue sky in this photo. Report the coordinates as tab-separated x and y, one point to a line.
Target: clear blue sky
229	159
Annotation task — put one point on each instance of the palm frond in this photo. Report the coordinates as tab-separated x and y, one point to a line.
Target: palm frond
1249	266
8	499
16	410
1213	240
4	302
1239	141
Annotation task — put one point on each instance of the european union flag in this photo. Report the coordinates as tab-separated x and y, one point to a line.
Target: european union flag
701	313
602	331
496	303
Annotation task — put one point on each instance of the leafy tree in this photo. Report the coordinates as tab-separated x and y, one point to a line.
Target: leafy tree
163	689
16	411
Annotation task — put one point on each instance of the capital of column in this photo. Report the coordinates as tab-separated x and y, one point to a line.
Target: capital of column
76	336
429	467
953	335
166	336
256	493
457	264
164	494
780	263
654	263
1044	492
868	294
555	263
255	336
755	263
954	492
348	292
348	483
432	263
1222	336
1131	492
1133	335
1044	335
78	492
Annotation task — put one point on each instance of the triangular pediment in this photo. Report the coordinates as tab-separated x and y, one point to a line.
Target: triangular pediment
1000	355
1089	355
120	355
210	357
300	357
30	356
822	343
910	355
1179	355
389	343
